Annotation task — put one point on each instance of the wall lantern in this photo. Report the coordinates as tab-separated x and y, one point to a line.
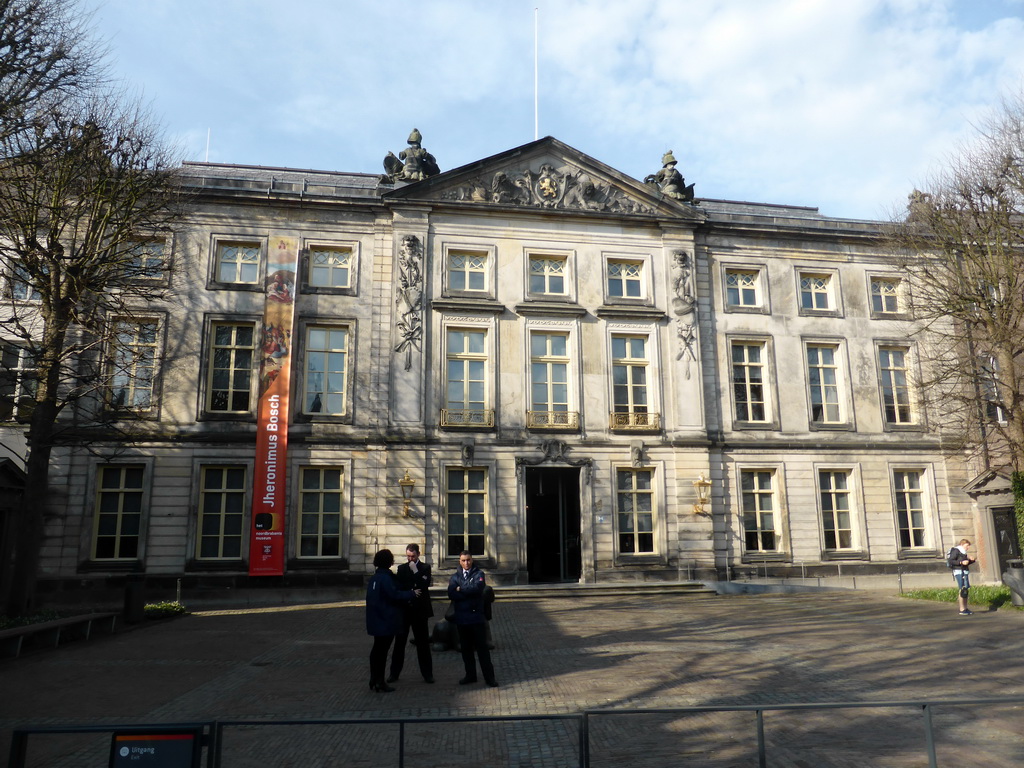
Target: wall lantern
702	486
407	484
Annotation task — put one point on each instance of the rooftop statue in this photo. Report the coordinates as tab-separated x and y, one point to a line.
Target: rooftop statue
412	164
919	204
670	181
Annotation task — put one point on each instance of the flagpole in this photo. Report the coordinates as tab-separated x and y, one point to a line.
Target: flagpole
536	116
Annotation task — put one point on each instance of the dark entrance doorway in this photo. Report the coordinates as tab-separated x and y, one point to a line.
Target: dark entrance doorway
1005	522
553	525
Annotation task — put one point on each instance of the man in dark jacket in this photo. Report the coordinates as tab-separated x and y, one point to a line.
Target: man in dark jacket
414	574
466	590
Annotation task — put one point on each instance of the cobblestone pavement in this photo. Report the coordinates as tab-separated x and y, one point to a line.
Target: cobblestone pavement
554	656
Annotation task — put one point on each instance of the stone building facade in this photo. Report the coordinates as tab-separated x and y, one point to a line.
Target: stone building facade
534	357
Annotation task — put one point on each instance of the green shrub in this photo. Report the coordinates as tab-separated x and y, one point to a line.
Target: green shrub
165	609
990	596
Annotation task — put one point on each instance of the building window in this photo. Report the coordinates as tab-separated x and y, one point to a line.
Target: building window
238	263
330	267
326	372
816	291
118	519
994	411
21	285
742	288
885	296
634	507
320	503
466	511
547	275
467	271
132	371
625	279
836	509
894	370
823	380
760	520
466	378
748	381
17	382
232	351
144	260
221	513
630	396
910	510
549	377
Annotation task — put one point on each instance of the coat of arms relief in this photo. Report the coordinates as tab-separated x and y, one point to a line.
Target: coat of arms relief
564	188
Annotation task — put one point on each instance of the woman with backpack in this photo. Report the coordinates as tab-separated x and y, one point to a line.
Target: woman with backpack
960	562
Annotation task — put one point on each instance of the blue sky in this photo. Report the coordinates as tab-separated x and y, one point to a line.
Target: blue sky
845	105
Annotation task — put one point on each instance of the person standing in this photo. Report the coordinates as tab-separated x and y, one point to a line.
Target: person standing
961	563
414	575
466	590
383	616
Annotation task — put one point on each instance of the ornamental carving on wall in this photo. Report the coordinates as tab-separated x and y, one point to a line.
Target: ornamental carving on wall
548	187
684	307
409	297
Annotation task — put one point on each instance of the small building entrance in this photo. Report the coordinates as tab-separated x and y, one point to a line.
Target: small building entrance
553	551
1005	522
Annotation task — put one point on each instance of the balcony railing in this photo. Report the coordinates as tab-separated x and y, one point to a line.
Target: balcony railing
567	420
467	419
635	421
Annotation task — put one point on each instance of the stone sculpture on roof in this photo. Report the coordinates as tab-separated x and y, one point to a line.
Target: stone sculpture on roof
412	164
670	181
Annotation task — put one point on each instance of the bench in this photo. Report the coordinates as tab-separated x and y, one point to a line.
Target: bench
51	633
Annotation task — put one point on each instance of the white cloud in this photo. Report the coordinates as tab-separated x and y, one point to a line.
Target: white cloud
814	102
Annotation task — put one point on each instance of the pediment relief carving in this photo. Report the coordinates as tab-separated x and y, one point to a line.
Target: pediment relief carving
547	185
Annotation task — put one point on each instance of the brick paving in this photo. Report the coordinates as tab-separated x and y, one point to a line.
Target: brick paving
554	656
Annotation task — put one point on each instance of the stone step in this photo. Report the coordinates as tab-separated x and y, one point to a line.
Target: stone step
690	589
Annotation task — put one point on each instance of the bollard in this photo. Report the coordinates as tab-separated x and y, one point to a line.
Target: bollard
1013	577
134	600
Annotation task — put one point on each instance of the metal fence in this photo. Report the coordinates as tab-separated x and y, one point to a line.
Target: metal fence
571	734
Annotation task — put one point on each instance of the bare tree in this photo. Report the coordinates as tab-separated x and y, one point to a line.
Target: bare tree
45	50
962	244
83	194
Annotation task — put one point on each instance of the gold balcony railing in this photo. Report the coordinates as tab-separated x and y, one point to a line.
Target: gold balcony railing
636	421
552	420
467	419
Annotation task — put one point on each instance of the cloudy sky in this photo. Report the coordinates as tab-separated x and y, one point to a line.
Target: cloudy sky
840	104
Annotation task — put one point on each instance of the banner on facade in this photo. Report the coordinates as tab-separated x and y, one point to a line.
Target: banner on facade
267	540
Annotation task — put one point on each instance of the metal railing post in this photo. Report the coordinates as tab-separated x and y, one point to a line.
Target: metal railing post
401	744
584	740
19	749
929	736
762	754
216	736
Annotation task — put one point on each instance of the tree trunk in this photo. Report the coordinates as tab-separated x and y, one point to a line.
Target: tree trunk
31	518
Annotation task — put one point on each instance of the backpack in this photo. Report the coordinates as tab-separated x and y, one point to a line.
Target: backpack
954	557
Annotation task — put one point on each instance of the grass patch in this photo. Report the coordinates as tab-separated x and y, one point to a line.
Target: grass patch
165	609
35	618
151	611
990	596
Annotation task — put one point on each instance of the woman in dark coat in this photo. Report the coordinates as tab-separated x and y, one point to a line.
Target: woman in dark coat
383	616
